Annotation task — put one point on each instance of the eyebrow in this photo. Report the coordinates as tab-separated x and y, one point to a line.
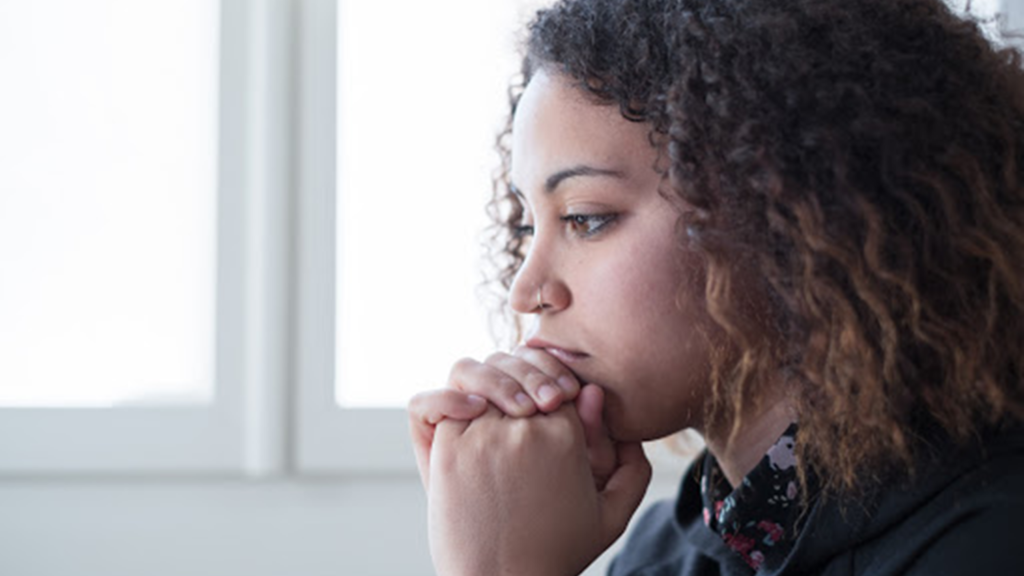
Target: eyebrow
557	178
582	170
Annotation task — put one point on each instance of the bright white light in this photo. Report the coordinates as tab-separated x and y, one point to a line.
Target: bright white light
421	96
107	201
985	11
982	8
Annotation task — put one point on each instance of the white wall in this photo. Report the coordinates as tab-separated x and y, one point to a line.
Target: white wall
219	527
212	528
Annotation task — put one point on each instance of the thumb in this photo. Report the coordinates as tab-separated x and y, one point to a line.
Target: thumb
427	409
625	489
600	447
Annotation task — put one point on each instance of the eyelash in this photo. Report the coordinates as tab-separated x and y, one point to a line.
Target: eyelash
597	222
576	222
522	231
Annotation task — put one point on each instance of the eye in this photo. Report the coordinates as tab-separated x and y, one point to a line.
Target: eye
522	230
587	225
522	236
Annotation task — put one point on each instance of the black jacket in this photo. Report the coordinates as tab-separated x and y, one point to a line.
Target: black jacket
962	515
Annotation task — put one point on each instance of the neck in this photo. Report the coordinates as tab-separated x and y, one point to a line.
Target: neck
739	454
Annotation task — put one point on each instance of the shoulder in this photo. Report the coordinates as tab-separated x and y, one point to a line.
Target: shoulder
982	542
984	518
971	525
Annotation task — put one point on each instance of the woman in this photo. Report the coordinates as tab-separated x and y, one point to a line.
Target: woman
796	227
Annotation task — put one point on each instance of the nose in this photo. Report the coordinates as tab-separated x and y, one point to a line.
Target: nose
537	286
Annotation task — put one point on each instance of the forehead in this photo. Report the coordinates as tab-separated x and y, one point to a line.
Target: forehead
556	126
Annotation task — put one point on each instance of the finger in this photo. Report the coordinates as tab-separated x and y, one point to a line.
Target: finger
543	389
625	489
600	447
551	366
427	409
489	382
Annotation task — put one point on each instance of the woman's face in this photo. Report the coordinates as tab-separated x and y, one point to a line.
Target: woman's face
623	303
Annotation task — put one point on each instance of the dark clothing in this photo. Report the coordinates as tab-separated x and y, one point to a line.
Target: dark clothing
963	514
759	519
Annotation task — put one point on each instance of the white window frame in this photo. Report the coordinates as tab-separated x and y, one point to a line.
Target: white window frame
331	439
242	430
274	410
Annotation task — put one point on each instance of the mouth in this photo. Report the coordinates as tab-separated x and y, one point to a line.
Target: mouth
565	355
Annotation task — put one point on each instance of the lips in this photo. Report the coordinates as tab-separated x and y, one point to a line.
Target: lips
565	355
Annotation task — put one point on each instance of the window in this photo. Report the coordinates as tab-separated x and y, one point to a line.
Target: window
108	245
390	304
137	308
191	262
415	157
239	314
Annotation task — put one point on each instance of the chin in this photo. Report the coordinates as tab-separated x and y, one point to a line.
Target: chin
636	425
626	427
640	433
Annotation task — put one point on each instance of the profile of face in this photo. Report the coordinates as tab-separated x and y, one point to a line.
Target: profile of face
611	290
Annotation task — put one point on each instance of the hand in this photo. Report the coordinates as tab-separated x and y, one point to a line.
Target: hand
520	383
515	383
516	496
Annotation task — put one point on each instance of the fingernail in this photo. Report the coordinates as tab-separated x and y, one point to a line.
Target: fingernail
547	393
567	384
523	399
474	399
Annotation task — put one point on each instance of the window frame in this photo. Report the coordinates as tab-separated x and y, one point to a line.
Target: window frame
274	410
324	429
242	429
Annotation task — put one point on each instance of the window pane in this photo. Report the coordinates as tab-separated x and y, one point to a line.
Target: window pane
984	10
420	101
107	201
980	8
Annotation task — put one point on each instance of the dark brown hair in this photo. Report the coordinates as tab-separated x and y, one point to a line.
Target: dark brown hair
863	161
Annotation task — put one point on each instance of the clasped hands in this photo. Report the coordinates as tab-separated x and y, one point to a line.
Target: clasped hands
522	477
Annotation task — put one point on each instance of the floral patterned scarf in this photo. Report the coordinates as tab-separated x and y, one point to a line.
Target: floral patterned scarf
759	518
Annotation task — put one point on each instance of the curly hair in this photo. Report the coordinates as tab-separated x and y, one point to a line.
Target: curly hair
864	160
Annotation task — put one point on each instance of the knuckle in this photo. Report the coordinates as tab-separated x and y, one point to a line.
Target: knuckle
520	434
462	366
422	402
535	379
416	401
564	426
545	363
508	385
496	358
490	384
564	374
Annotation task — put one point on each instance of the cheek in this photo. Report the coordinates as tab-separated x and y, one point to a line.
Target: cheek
659	390
643	290
658	292
655	326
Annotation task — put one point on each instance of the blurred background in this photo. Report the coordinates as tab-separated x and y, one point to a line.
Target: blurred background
235	238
